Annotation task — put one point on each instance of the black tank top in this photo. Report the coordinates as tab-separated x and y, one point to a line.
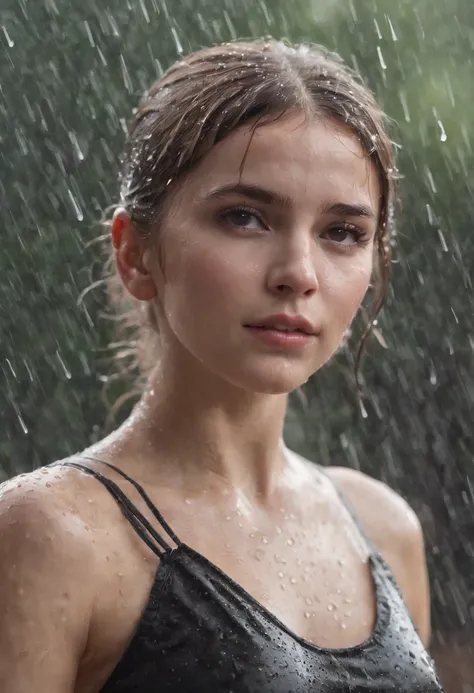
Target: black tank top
201	632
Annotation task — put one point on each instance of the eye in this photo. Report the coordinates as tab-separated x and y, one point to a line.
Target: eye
243	217
346	234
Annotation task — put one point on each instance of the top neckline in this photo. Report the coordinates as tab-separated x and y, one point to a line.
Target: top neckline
381	604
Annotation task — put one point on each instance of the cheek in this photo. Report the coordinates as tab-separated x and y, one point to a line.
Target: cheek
204	281
346	287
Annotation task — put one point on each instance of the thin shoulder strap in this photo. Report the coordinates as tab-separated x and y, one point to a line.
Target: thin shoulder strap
140	524
352	512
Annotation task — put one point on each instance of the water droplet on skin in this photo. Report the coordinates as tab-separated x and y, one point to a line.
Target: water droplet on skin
187	501
264	540
280	574
293	580
308	601
307	614
331	606
290	541
228	517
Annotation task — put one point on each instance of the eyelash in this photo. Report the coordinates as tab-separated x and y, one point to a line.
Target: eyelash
242	210
361	237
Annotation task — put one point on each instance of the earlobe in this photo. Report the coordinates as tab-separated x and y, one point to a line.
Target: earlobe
128	251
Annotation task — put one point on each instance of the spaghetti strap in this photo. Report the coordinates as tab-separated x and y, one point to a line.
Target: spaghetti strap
143	494
352	512
140	524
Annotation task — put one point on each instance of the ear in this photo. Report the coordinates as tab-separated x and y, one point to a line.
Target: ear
128	251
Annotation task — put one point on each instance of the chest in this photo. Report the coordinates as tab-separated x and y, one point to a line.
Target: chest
205	634
313	576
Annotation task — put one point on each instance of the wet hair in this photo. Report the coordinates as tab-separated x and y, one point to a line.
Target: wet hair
198	102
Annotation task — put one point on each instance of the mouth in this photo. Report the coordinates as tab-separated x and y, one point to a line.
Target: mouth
284	332
291	324
278	328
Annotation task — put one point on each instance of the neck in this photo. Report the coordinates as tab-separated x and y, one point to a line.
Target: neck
204	429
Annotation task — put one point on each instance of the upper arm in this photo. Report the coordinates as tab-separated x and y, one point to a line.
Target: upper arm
395	529
45	598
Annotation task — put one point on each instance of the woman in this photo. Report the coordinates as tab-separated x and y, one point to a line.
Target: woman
254	214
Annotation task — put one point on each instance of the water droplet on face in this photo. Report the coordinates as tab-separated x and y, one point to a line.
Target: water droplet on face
293	580
280	574
331	606
290	542
187	501
307	614
308	601
228	517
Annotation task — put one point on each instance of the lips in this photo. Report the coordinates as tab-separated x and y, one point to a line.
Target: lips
285	323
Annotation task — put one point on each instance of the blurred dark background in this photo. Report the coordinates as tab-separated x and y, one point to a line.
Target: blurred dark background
71	72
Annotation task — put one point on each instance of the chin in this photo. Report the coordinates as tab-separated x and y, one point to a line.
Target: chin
271	380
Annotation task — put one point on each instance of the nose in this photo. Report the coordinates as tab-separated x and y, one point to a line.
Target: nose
293	271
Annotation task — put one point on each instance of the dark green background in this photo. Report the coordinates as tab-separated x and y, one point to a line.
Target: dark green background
71	73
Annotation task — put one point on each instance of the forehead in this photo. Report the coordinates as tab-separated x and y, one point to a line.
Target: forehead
294	156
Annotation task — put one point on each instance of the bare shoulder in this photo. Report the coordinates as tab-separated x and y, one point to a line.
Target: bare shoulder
46	581
46	508
382	511
395	529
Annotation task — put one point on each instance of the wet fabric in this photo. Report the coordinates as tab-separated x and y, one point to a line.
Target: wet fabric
200	632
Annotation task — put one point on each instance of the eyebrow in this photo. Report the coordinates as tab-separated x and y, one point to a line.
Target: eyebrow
349	210
270	197
254	192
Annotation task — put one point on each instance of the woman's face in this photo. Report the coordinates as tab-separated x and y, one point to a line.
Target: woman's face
246	251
